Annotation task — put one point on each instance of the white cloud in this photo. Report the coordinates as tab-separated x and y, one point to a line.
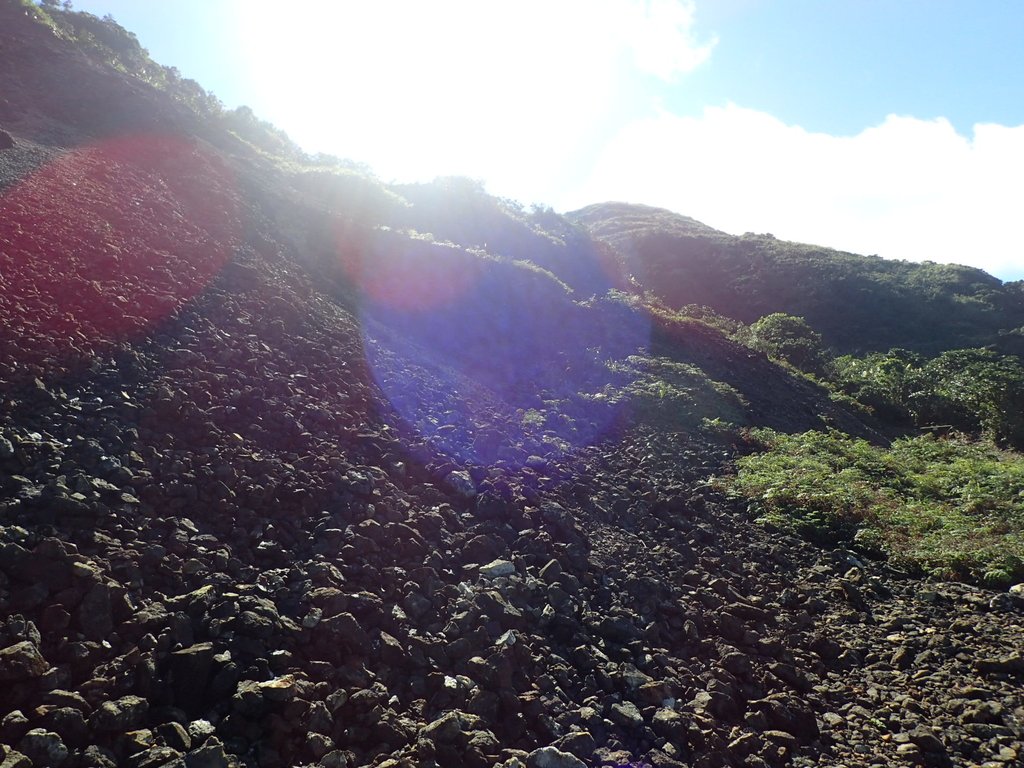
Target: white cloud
660	33
908	188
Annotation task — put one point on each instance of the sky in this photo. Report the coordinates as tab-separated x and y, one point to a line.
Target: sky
878	127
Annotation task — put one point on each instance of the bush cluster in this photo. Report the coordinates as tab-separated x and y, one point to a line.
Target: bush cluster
951	507
977	391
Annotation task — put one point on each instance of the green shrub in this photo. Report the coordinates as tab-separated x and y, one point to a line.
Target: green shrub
977	391
672	394
790	339
950	507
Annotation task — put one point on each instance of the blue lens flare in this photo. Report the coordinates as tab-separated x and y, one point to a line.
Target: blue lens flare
490	360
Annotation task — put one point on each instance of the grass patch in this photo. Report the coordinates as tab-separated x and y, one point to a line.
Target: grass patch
534	418
672	394
949	507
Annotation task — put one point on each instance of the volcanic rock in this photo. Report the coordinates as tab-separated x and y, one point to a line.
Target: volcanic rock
120	714
21	661
551	757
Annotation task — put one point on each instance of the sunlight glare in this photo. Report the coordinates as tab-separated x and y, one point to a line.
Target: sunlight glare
505	92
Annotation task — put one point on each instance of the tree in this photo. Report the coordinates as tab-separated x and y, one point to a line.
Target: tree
978	391
974	389
883	381
789	338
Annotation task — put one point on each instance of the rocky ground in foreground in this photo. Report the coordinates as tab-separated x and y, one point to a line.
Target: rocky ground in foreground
217	552
618	613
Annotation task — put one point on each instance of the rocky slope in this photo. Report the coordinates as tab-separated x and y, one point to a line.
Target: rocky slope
261	504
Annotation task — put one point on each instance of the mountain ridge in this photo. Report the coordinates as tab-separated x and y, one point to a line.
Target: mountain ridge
859	303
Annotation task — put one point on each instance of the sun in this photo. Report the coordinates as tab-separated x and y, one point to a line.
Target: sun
496	91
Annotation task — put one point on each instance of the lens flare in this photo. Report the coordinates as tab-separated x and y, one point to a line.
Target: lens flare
410	274
487	358
103	243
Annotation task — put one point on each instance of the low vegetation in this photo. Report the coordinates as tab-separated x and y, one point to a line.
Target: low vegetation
674	395
950	507
948	502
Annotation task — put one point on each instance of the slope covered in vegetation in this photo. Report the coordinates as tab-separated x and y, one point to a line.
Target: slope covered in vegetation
858	303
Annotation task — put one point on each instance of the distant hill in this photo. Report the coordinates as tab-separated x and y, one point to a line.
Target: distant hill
858	303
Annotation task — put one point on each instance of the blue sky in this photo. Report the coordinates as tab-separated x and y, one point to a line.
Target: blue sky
841	66
874	126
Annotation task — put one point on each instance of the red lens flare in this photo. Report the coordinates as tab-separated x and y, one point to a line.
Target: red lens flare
409	274
106	241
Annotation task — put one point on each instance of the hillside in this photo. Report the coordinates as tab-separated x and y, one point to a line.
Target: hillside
301	469
858	303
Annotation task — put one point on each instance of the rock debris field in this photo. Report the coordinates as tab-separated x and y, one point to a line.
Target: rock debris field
221	545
